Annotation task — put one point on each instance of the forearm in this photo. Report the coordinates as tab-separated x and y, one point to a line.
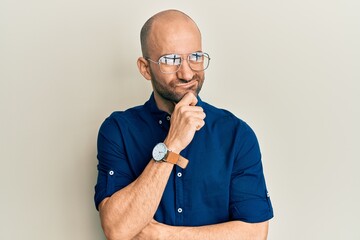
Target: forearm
128	211
228	230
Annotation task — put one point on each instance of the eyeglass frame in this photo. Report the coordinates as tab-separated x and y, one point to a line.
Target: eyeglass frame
181	61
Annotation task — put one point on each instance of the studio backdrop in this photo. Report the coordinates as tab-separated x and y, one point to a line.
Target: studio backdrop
290	69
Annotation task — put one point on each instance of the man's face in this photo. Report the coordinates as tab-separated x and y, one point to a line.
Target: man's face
181	38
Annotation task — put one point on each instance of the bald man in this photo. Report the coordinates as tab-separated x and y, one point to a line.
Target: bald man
177	167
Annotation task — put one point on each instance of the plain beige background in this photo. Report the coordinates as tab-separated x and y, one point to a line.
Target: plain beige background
288	68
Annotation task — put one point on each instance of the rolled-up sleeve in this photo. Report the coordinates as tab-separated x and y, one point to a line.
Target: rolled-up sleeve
249	199
113	168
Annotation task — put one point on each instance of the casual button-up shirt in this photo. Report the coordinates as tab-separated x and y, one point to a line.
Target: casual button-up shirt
223	181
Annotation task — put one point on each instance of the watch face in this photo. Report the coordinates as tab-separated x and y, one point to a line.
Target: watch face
159	151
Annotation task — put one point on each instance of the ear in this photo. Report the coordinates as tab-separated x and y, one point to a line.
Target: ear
143	66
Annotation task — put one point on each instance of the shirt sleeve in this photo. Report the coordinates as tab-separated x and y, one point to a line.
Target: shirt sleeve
249	199
113	168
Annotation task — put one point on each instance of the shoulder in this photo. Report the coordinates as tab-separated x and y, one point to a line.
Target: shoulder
126	115
223	116
227	125
119	119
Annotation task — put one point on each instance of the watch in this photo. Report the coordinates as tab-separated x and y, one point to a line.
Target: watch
161	153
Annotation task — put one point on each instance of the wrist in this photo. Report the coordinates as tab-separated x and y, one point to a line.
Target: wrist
164	231
172	146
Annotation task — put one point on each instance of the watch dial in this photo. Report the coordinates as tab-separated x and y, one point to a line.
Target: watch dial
159	152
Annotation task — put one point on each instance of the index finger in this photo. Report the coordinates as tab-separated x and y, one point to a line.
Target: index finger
188	100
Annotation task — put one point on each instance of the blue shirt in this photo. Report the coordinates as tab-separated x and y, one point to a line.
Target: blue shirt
224	178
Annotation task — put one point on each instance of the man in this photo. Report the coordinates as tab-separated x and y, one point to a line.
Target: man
177	167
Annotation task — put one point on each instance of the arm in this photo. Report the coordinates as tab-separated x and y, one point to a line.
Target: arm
229	230
129	210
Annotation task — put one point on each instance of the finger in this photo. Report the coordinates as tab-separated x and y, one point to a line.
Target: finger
186	113
197	122
188	100
198	115
184	109
196	109
199	125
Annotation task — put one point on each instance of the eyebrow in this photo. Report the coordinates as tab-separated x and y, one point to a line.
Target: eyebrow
179	53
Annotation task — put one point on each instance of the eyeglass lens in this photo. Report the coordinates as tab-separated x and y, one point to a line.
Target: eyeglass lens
198	61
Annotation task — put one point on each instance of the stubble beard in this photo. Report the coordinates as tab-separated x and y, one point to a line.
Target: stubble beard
168	92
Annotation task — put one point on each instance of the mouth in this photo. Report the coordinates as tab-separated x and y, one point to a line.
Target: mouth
187	84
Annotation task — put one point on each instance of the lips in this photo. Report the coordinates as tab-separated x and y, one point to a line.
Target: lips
187	84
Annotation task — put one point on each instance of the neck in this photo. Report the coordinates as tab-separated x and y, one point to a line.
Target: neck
164	104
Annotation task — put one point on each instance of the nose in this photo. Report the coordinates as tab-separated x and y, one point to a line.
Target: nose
185	72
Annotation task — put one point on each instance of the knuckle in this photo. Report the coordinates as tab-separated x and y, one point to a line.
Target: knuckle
187	114
181	109
189	121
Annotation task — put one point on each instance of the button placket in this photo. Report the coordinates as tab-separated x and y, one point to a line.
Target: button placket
164	121
179	198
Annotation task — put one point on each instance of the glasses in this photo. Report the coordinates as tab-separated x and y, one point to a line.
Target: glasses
171	63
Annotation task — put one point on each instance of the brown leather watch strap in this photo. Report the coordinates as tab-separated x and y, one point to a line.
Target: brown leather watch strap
182	162
172	157
175	158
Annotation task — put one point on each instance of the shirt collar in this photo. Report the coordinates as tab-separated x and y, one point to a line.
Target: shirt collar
151	105
161	117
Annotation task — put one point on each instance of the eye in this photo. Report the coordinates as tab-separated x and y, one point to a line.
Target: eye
196	57
170	59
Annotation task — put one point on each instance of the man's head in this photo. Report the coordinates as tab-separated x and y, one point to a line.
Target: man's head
172	17
170	32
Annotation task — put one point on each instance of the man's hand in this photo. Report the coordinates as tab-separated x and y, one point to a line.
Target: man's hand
185	121
154	230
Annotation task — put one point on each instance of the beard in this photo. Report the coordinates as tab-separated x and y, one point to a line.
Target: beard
168	91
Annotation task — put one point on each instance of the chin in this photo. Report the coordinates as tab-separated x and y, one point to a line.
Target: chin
177	94
193	91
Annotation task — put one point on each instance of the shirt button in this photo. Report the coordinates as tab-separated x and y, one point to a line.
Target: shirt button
160	122
179	174
111	172
268	194
179	210
168	118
